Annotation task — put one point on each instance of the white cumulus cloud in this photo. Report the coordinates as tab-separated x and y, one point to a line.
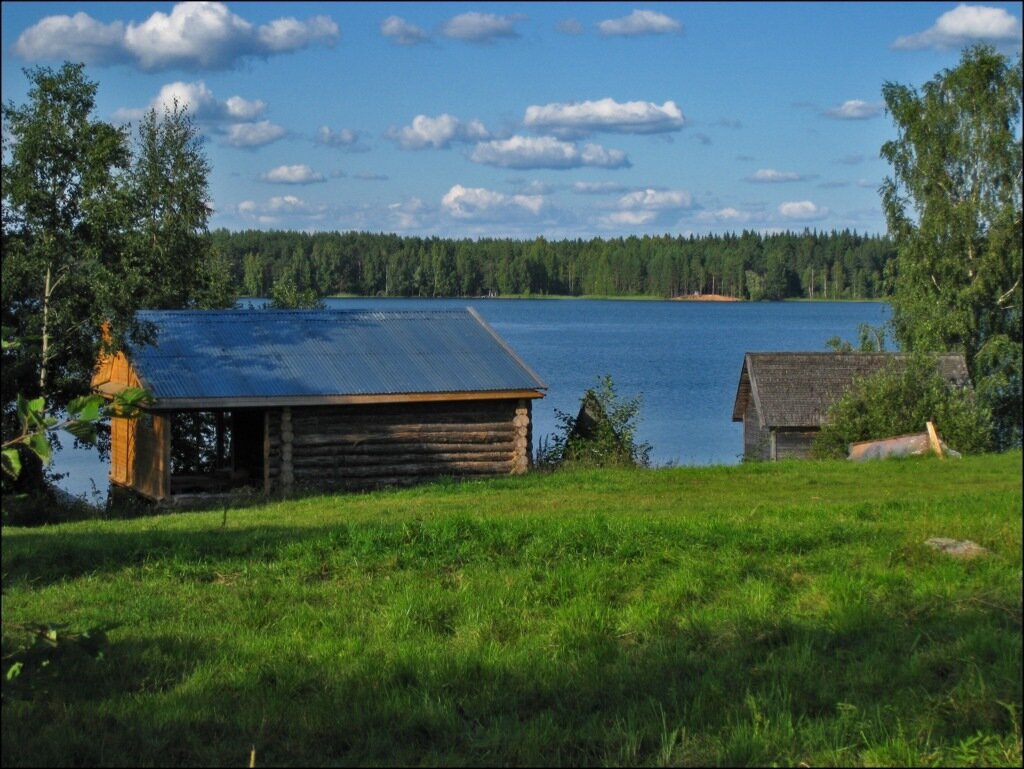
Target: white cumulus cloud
243	109
656	200
79	37
964	25
477	27
280	209
771	175
546	152
194	35
478	203
803	210
296	174
289	34
727	215
410	214
628	217
639	117
639	23
402	32
200	102
250	135
438	132
855	109
344	137
647	206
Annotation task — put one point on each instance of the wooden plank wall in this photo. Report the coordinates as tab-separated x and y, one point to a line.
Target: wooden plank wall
793	444
756	441
153	456
117	370
359	447
122	451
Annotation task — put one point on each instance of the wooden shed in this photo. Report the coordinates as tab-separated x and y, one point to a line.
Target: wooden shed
783	397
282	400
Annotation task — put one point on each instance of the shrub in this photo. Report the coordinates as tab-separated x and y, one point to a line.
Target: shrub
601	434
899	401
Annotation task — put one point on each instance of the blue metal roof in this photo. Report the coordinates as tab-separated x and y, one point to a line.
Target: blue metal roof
267	354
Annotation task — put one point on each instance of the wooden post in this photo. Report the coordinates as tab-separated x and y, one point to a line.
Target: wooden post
220	440
287	436
933	439
162	426
266	451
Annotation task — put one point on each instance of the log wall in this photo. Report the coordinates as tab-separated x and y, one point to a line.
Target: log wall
360	447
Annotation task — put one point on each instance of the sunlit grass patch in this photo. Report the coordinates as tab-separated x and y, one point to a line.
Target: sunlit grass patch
736	615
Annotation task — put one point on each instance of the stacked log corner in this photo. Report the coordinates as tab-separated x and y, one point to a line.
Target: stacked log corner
363	447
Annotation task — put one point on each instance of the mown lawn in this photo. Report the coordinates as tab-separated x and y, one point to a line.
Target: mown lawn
745	615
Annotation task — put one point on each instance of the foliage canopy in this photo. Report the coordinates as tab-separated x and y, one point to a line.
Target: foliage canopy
95	227
899	400
601	434
953	207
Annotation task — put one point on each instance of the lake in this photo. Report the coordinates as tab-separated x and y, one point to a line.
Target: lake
682	358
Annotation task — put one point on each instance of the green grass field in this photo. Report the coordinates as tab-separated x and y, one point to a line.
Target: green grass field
751	615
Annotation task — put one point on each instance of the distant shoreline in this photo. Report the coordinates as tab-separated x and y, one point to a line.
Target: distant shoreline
593	297
706	298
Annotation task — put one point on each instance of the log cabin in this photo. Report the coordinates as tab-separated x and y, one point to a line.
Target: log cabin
280	401
783	398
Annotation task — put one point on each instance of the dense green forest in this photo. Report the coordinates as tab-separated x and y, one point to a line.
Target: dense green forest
814	265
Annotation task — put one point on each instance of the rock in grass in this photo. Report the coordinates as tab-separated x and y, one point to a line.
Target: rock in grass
958	548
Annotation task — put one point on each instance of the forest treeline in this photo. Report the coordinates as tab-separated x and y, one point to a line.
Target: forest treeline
814	265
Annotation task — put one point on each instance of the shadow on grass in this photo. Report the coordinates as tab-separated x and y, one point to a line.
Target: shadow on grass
42	559
689	692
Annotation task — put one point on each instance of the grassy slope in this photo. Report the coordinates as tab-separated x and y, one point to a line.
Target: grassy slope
734	615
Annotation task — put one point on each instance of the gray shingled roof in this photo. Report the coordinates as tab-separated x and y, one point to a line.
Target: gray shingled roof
285	354
796	389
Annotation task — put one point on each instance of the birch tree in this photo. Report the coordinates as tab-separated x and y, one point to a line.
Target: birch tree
64	214
953	207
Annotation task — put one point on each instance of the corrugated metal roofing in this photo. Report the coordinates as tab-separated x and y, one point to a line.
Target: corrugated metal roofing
310	353
796	389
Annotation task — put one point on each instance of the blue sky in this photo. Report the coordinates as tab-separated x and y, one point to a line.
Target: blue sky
519	119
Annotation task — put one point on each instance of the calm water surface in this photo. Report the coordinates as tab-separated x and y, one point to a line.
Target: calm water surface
682	358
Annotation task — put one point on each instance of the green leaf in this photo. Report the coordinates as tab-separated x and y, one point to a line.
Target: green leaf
85	408
40	446
84	431
22	408
14	670
134	396
128	402
12	462
31	412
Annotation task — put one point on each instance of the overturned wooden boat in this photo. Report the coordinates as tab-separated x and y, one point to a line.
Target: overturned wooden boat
912	445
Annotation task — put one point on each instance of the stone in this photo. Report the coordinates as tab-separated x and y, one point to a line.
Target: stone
958	548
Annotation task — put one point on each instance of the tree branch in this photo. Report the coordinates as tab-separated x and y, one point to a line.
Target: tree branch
1006	296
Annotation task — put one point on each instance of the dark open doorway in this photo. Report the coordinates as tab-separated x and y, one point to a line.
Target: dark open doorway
216	451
